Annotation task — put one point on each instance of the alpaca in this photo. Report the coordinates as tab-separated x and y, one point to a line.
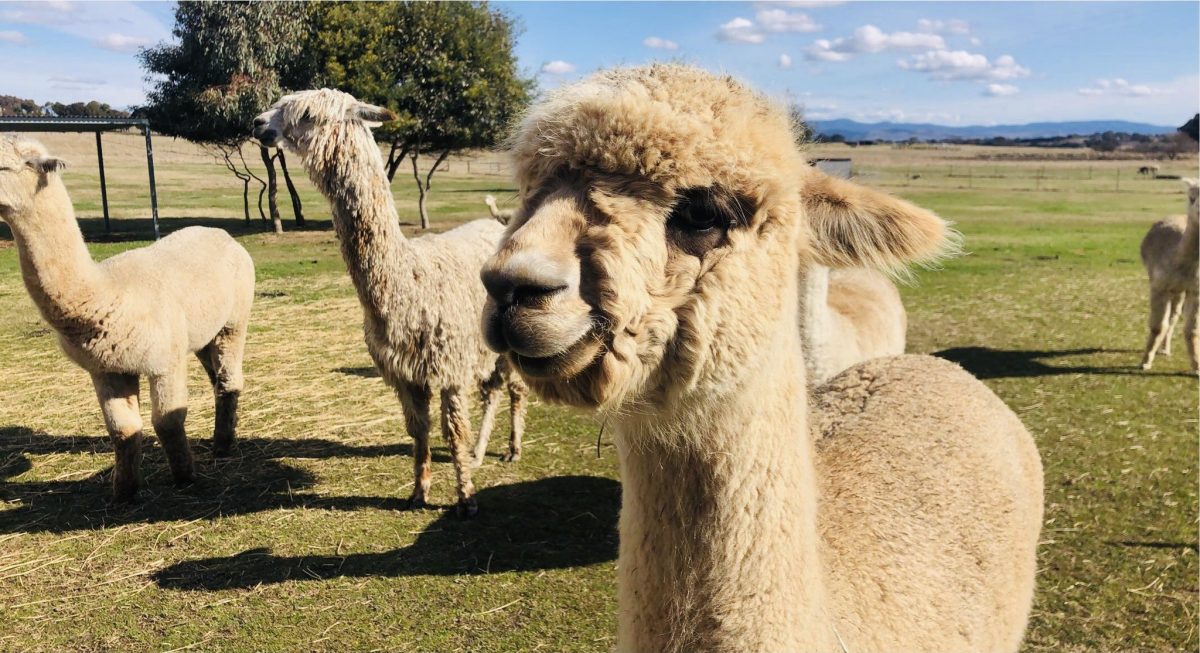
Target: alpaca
651	273
1170	252
421	298
1149	171
139	313
503	215
848	316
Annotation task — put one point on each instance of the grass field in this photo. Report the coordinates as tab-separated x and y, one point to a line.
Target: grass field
301	541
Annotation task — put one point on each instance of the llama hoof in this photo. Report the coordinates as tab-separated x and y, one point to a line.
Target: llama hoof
222	450
416	502
511	457
466	508
126	493
184	480
1145	366
476	463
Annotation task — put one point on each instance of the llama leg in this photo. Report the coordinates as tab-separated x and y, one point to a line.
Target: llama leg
118	396
456	429
517	392
1158	319
227	352
1191	309
168	413
1174	310
489	394
415	400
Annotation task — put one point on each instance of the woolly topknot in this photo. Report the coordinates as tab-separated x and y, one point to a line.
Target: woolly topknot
673	125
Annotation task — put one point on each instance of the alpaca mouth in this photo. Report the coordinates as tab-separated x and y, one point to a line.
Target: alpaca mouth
268	137
563	365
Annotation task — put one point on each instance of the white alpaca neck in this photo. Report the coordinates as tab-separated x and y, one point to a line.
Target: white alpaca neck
63	280
345	164
719	546
815	321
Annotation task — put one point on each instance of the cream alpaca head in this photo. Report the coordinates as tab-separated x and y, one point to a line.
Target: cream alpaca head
25	167
663	215
293	120
1193	200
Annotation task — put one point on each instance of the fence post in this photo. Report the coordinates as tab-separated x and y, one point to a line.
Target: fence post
103	184
153	189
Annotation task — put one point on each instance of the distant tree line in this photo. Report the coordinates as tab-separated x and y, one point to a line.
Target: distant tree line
448	71
15	106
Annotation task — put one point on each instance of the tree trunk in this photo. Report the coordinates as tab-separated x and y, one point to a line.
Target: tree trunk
297	209
227	156
423	186
263	185
272	188
395	158
421	192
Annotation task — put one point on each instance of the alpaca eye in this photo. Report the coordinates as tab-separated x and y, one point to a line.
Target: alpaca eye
696	212
698	223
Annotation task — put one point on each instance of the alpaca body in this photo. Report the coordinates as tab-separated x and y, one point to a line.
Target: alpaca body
421	298
848	315
502	215
139	313
1170	253
652	273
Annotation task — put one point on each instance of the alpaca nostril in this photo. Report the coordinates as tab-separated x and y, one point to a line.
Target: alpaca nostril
260	122
521	285
529	294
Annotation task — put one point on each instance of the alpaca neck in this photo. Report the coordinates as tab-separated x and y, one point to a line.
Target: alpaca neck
719	543
63	280
814	318
1189	250
345	165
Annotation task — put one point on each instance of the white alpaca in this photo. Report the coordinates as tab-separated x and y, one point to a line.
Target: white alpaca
1170	252
139	313
421	298
652	274
848	316
502	215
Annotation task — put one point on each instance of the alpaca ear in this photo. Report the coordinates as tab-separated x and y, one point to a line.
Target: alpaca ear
854	226
45	164
372	115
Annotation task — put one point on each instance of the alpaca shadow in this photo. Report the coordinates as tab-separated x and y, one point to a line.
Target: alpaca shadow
1194	546
550	523
494	191
988	363
363	372
252	480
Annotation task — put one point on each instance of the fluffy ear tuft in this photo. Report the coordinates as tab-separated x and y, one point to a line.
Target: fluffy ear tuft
372	115
45	164
854	226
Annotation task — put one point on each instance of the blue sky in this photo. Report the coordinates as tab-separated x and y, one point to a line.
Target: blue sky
944	62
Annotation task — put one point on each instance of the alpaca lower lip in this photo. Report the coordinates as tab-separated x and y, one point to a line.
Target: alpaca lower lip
565	364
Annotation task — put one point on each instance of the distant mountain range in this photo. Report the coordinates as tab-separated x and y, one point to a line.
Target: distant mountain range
896	131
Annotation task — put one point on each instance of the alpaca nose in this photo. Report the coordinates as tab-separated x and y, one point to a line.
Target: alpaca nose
526	280
260	122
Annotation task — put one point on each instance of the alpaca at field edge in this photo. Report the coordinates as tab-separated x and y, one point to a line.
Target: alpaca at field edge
1170	252
651	273
421	298
503	215
848	316
139	313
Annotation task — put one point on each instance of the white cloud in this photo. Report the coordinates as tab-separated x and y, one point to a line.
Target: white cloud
740	30
869	39
785	61
75	83
1000	90
778	20
954	26
975	41
121	42
1120	87
558	67
659	44
12	36
960	64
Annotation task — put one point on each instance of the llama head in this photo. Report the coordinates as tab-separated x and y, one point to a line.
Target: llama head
663	214
292	121
1193	199
25	168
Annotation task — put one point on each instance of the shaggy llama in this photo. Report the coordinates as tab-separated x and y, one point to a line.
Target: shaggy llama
504	216
848	316
139	313
421	298
651	273
1170	252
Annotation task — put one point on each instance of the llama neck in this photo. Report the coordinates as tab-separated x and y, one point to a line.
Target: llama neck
63	280
1189	250
814	317
719	542
345	165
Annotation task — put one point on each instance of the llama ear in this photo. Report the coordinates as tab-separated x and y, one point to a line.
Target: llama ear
45	164
372	115
853	226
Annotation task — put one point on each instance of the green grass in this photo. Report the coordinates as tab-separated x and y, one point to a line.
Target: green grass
301	542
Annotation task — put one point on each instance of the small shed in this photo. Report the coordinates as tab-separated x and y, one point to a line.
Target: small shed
97	126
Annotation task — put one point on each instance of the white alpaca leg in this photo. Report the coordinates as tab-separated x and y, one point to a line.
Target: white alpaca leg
1174	310
456	429
517	392
118	395
1158	320
168	402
